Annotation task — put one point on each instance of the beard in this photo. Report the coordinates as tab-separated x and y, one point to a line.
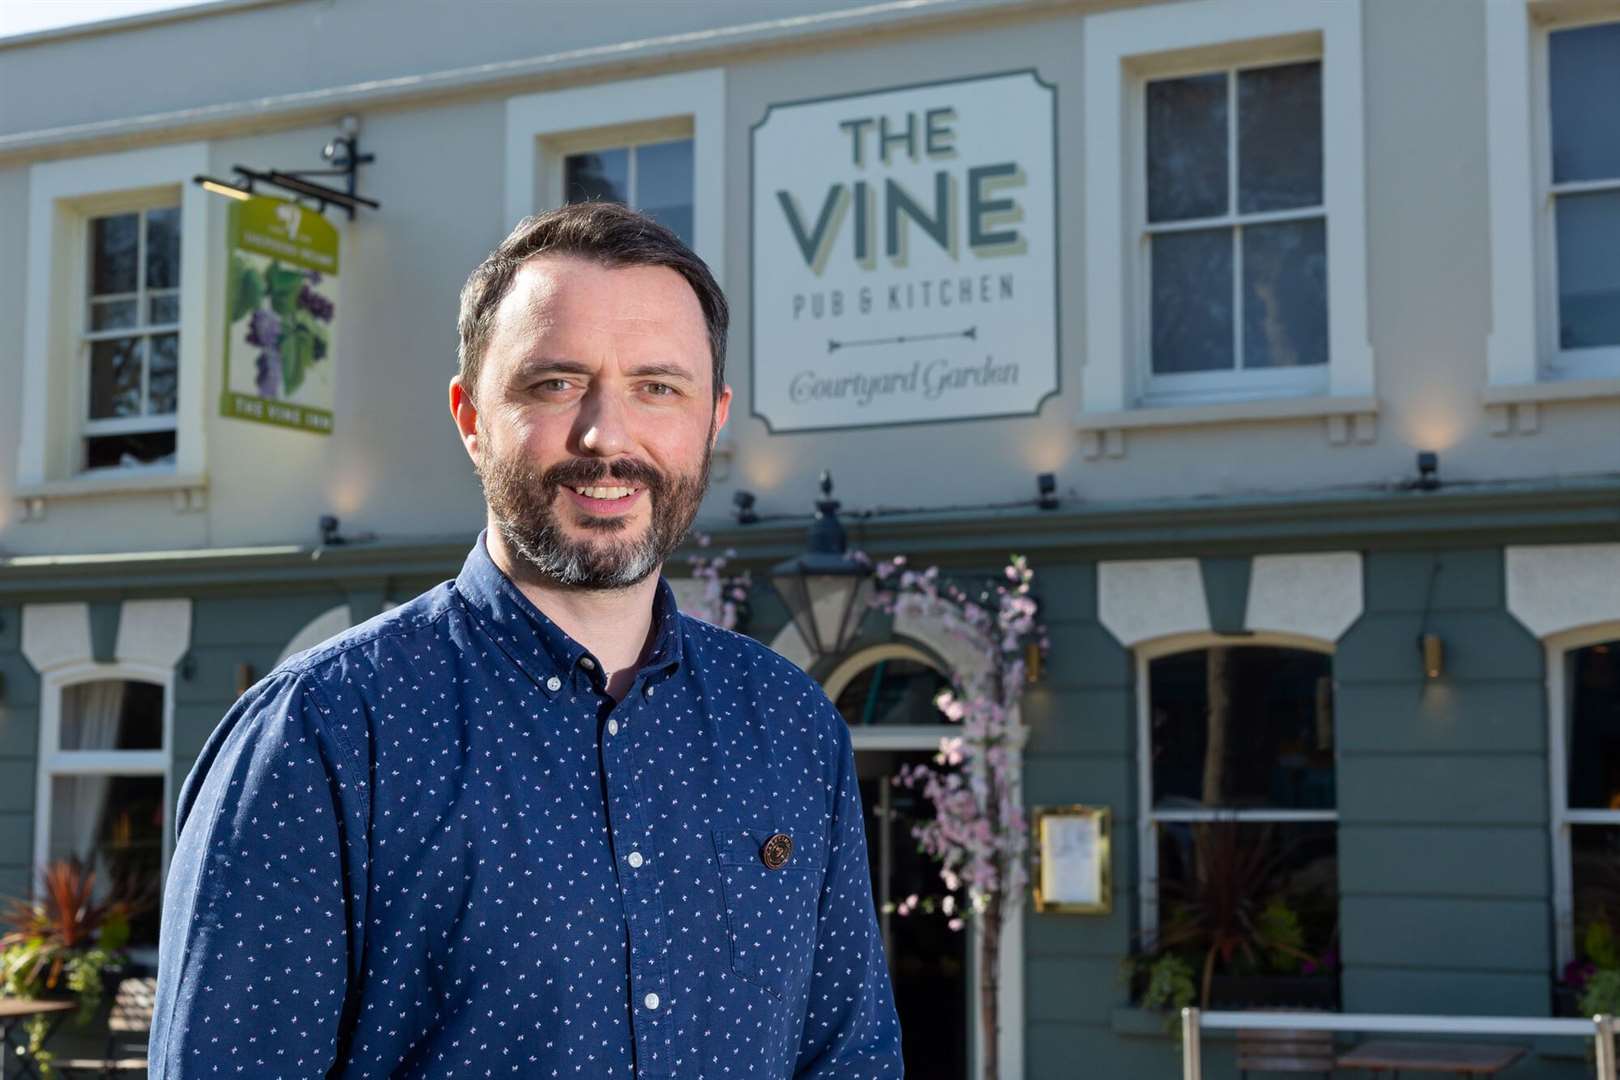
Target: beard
522	500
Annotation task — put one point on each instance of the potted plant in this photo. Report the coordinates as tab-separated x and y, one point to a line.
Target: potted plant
64	944
1236	931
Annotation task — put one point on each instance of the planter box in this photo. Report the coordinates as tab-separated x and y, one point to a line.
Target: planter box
1274	992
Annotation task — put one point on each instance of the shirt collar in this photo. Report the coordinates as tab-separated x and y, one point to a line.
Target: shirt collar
539	646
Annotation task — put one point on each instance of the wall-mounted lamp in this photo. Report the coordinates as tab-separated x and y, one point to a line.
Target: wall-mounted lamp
1434	655
1428	463
744	502
1032	662
221	187
1046	487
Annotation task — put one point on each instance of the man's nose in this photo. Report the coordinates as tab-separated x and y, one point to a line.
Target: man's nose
600	427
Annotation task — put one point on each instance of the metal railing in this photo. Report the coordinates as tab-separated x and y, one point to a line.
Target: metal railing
1196	1021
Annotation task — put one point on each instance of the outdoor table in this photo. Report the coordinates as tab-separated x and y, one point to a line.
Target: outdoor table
1464	1059
14	1057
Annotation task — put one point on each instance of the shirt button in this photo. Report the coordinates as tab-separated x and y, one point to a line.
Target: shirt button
554	684
651	1001
613	727
587	663
635	859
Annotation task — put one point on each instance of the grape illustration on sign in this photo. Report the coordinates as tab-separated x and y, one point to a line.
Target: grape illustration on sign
905	255
281	295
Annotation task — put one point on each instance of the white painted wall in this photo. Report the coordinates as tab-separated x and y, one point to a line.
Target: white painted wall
394	465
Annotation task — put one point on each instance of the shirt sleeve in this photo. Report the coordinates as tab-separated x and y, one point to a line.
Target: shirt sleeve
258	946
851	1030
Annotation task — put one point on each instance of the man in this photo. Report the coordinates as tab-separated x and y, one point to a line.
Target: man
536	822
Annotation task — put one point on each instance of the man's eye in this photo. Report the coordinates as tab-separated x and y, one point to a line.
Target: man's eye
552	386
659	389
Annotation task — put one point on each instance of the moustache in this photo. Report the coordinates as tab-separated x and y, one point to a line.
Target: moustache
581	472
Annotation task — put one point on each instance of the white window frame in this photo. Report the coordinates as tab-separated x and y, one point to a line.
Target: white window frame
1148	817
542	129
144	422
54	762
1236	384
1562	817
1123	50
1523	361
63	196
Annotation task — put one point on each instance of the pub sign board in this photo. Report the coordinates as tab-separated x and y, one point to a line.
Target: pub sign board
905	255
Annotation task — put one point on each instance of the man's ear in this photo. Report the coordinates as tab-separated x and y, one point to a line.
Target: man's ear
722	409
465	414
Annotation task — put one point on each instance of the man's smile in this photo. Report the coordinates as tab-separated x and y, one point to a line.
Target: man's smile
604	498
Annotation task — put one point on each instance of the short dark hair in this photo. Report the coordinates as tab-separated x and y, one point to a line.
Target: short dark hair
606	233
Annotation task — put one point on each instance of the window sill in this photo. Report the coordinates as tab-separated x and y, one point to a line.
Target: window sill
1347	419
1517	407
189	492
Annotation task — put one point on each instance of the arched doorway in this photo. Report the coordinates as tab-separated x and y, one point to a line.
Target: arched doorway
886	694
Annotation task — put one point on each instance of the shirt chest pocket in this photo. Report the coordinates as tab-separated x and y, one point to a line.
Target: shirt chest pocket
772	885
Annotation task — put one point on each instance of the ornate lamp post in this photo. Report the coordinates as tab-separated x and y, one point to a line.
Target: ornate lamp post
825	590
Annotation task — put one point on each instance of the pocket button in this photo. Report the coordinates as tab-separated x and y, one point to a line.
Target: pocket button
776	850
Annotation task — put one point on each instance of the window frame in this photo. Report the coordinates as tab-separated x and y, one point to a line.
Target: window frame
63	196
1123	51
1522	346
1555	363
145	422
1148	818
1236	384
542	129
1562	819
557	150
54	762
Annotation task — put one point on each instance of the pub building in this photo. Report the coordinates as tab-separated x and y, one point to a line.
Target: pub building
1308	312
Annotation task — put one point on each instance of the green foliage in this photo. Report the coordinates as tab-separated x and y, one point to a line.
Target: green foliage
1281	935
1170	983
1600	945
1602	993
244	288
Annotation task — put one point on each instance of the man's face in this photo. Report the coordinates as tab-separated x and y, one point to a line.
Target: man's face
595	419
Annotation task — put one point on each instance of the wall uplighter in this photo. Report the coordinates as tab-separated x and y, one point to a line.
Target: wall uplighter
1434	655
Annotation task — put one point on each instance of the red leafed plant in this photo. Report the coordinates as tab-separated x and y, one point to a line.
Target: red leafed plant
45	936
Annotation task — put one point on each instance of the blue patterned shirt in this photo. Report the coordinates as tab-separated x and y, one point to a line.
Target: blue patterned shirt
434	846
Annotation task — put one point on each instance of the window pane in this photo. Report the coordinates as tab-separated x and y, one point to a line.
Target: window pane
164	310
1593	731
114	247
604	175
112	314
115	378
893	692
112	714
1588	270
163	248
161	383
664	184
1285	322
140	448
1192	301
928	960
1244	727
1186	148
1276	883
115	823
1595	886
1280	137
1585	85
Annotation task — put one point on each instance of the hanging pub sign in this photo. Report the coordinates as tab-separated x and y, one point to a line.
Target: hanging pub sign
281	296
905	255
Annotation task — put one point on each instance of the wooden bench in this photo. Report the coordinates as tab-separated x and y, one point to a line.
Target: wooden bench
1295	1050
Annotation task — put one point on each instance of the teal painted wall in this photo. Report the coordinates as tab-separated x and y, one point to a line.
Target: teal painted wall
1442	791
19	747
